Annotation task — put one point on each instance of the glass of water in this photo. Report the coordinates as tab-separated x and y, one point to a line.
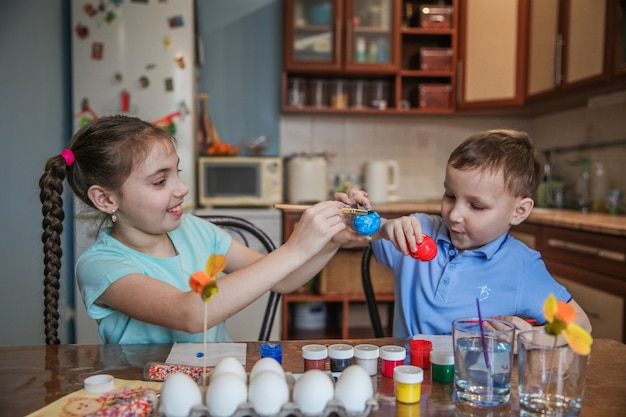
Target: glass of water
483	360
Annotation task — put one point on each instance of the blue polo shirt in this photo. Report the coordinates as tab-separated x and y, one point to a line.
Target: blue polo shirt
506	276
108	260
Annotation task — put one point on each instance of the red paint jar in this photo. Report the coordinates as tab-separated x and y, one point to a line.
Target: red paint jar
391	356
314	357
420	353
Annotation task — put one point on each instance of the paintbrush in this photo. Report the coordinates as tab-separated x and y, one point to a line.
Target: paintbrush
302	207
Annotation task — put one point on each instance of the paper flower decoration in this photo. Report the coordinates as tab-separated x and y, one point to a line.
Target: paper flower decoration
204	282
561	316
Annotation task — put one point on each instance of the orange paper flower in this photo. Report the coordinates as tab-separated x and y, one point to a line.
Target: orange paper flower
204	282
561	316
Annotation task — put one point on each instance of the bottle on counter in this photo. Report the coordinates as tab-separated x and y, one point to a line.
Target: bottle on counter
598	188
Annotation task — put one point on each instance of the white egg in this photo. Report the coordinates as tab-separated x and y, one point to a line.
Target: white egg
179	394
225	393
353	388
229	365
312	392
268	392
266	364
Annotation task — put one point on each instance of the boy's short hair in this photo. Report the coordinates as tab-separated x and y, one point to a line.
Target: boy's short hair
510	151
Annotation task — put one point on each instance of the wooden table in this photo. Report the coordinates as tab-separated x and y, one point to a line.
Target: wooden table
33	376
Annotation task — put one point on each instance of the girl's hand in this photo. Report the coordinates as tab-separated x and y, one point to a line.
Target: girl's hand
354	197
404	232
317	226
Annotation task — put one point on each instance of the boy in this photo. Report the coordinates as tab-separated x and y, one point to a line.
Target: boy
489	184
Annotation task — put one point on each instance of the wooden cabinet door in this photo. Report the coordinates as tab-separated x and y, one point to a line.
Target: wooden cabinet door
567	44
544	41
585	40
313	34
491	47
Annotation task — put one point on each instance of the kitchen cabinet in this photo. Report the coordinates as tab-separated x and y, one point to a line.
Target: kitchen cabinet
617	11
339	35
491	53
592	266
567	44
368	56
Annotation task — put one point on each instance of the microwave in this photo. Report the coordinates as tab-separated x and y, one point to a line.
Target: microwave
239	181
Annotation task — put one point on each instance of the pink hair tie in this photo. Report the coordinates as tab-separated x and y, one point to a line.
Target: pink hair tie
68	155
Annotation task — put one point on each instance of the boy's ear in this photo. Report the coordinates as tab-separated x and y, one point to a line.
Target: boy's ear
101	199
522	210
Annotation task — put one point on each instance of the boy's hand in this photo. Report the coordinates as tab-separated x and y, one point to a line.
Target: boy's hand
404	232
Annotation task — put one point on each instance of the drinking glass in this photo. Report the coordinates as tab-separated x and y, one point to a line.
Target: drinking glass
483	360
551	375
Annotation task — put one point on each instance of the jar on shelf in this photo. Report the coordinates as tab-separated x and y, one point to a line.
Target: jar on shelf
296	92
319	92
359	94
339	94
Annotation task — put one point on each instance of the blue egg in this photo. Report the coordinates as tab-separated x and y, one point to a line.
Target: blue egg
367	224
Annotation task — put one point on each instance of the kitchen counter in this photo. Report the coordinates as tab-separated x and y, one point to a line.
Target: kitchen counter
570	219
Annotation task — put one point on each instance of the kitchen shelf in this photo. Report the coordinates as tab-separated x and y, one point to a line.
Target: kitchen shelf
337	318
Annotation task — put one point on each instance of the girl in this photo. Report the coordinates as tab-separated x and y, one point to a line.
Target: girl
134	279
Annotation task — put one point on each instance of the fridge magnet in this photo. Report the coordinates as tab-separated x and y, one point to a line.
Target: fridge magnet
82	31
86	113
144	81
97	50
90	10
176	21
180	61
167	42
150	67
117	2
109	17
118	77
169	84
124	101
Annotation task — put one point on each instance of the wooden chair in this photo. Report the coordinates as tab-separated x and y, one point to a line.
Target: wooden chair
242	230
370	295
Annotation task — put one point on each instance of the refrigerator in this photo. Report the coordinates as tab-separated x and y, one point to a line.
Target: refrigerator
134	57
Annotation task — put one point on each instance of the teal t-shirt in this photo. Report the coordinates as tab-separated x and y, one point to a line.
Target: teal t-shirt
108	260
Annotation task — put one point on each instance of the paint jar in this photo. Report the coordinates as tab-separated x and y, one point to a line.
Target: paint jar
443	365
314	357
340	356
420	353
408	380
366	356
391	356
272	350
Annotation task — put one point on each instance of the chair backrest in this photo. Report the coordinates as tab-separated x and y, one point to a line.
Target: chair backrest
243	230
370	295
241	227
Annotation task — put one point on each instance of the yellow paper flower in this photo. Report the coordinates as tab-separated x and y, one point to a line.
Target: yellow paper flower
204	282
560	317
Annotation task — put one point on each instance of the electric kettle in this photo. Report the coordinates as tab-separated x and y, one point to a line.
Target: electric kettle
381	177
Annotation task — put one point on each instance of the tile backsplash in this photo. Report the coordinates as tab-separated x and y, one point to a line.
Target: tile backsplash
422	144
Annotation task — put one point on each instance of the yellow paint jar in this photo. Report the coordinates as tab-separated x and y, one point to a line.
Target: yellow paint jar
408	380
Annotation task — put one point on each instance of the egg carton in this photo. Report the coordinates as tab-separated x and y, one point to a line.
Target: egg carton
290	409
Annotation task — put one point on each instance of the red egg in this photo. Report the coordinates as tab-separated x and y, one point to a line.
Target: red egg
426	251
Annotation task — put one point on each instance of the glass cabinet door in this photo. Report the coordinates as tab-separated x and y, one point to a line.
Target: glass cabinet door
369	33
313	33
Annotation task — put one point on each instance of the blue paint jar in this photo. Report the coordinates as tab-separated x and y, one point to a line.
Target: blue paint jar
272	350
